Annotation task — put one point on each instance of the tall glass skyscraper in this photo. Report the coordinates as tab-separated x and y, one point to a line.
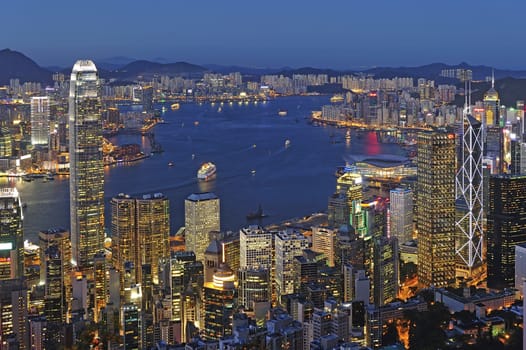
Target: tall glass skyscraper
39	120
436	208
201	216
86	181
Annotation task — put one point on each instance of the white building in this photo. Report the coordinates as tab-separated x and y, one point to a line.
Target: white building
40	120
401	201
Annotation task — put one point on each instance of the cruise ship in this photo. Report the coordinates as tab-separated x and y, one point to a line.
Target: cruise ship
207	171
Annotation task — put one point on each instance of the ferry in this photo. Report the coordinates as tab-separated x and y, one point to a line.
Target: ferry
282	112
175	106
207	171
337	98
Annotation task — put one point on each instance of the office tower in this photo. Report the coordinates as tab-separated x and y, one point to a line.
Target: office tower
254	286
201	215
11	235
230	249
518	157
288	244
147	98
40	120
13	313
506	227
436	208
6	143
469	196
37	333
491	106
58	238
256	247
219	301
124	231
494	146
153	231
338	211
140	230
131	327
305	270
350	184
401	206
86	180
182	271
101	283
520	266
55	306
385	270
323	241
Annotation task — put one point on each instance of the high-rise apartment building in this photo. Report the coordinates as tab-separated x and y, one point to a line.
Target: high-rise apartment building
201	216
11	235
401	218
86	180
40	120
436	208
506	227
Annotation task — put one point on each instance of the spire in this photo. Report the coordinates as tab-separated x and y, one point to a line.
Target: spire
492	78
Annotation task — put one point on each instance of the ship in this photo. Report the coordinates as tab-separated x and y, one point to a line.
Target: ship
337	98
287	143
282	112
256	214
175	106
207	171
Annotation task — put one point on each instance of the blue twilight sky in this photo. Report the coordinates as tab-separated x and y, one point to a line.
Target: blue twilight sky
334	34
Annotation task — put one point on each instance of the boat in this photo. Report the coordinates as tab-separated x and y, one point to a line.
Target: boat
175	106
282	112
207	171
27	178
256	214
171	164
50	177
337	98
253	172
219	109
287	143
348	135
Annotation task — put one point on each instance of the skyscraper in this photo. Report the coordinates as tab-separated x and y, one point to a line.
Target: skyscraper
288	244
469	194
401	205
11	235
201	215
219	299
506	227
436	208
324	241
86	181
39	120
140	229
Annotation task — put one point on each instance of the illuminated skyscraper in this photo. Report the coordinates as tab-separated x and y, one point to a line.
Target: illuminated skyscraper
491	106
469	194
436	208
11	235
219	299
13	314
86	180
323	241
255	246
201	216
506	227
140	230
153	231
40	120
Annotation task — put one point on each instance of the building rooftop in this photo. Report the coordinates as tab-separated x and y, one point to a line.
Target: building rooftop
196	197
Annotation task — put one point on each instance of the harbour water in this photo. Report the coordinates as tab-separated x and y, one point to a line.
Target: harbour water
247	144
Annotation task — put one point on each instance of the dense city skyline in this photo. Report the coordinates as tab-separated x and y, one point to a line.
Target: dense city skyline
346	35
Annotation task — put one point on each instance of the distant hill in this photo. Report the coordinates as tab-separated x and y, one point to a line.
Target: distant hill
510	90
147	68
14	64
